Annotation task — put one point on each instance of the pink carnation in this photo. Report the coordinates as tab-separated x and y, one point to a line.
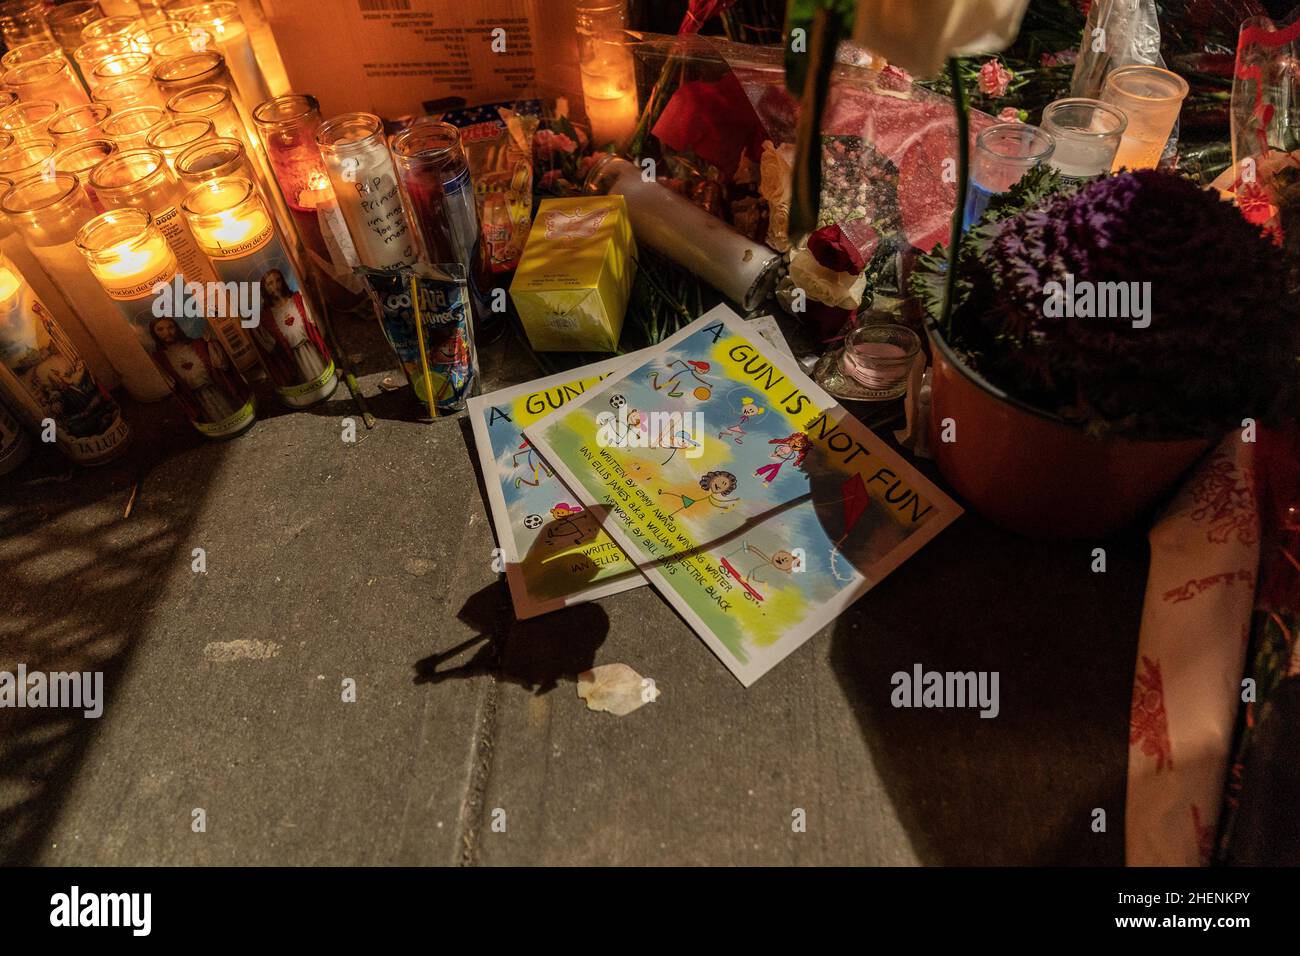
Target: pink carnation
546	143
1009	114
994	78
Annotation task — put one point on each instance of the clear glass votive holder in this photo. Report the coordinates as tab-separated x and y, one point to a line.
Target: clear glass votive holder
1151	98
1003	153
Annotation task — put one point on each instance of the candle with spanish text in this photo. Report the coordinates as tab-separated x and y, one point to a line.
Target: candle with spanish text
45	380
132	260
235	229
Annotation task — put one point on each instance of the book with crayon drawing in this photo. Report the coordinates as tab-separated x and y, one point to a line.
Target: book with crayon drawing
749	498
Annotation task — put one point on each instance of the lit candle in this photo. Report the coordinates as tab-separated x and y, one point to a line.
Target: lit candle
121	64
130	128
90	53
49	212
77	124
234	228
223	22
608	72
141	179
44	378
28	121
286	127
174	135
128	91
133	262
365	185
48	79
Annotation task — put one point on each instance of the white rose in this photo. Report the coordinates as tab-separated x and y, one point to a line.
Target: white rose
843	290
918	35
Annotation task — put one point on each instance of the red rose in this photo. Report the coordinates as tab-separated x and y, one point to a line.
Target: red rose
834	250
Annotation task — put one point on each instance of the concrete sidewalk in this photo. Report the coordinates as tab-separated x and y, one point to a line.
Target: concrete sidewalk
329	562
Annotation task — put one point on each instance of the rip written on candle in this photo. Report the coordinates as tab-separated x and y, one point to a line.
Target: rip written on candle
241	300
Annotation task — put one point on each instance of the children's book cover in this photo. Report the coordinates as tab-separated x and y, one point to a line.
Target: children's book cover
753	501
553	551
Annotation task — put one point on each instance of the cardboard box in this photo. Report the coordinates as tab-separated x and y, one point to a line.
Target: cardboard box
408	57
575	277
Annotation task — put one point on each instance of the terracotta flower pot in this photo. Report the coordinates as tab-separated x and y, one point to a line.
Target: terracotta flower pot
1034	473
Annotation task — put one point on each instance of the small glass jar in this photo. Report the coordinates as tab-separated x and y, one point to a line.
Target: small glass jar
181	44
439	194
49	212
236	230
152	33
1087	134
213	159
50	78
28	158
223	23
89	54
67	20
189	70
128	255
29	52
130	128
1151	98
1003	153
171	136
128	91
365	186
211	101
23	20
28	121
110	27
119	65
80	160
78	123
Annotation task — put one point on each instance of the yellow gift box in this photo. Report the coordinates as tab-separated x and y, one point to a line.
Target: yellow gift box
573	282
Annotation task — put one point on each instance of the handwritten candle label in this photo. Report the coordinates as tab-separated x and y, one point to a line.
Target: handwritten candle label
383	238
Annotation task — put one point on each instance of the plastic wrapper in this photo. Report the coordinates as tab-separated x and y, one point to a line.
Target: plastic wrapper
498	147
889	157
445	363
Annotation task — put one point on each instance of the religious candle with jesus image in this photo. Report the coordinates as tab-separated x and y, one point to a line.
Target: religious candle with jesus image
131	259
234	228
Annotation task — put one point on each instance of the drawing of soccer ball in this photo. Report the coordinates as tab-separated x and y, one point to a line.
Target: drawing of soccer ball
533	522
617	401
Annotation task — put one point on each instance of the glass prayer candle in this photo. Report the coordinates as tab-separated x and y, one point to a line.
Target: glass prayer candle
1003	153
119	65
223	22
49	213
67	20
80	159
213	159
29	157
78	123
1151	98
439	195
23	20
14	246
126	8
608	72
111	26
1087	134
211	101
28	122
27	52
89	54
131	260
44	377
188	41
130	128
48	79
190	69
286	127
172	136
237	232
365	186
128	91
152	33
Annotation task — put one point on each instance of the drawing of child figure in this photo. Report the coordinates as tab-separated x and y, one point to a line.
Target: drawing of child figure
717	486
748	409
792	448
697	371
782	561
